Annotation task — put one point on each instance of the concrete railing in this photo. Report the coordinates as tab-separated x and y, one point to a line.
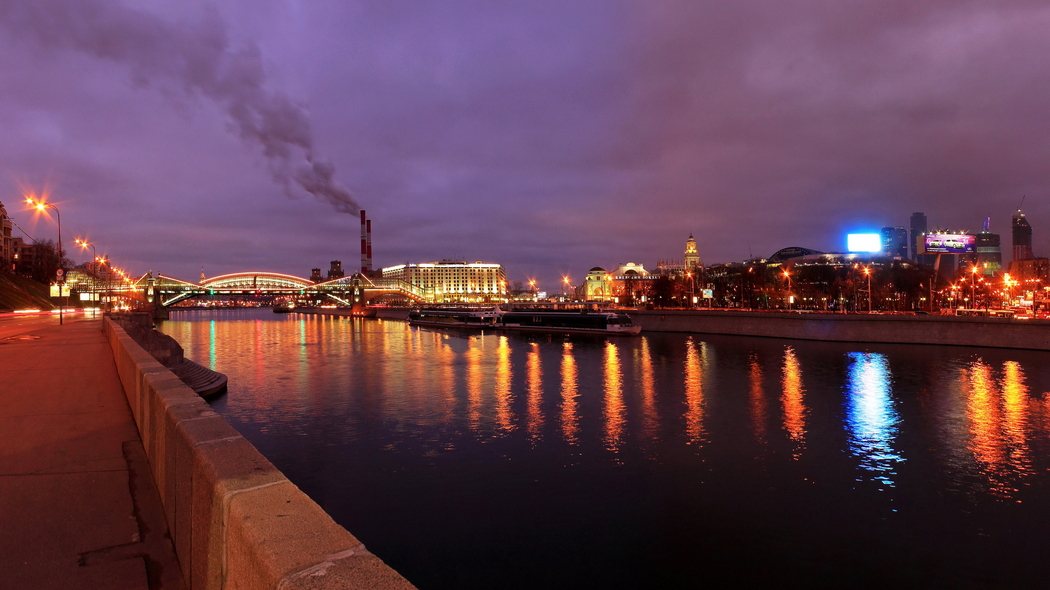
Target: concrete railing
898	329
235	519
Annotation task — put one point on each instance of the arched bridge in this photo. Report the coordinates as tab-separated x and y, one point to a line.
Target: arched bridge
355	290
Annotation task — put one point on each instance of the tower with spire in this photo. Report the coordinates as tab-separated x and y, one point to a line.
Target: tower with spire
692	257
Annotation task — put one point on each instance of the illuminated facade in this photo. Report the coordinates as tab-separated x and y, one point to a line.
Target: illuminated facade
895	241
454	281
988	258
7	245
597	286
692	256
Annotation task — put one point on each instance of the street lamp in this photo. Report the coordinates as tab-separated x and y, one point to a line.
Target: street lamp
867	271
787	278
565	289
692	296
94	264
41	206
973	286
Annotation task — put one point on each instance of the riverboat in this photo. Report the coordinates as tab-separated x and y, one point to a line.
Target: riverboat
284	307
454	318
530	320
569	322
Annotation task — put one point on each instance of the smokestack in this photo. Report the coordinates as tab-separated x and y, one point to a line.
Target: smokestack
364	244
190	58
368	240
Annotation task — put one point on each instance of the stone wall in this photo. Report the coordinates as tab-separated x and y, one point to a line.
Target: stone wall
235	519
901	329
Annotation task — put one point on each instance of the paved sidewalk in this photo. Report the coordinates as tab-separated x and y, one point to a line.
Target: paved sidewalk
78	508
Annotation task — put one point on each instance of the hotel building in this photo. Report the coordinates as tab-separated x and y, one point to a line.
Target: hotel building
454	281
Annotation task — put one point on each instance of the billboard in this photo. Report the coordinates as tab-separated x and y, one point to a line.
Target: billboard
950	243
864	242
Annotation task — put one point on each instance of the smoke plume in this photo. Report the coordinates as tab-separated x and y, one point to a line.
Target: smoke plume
195	58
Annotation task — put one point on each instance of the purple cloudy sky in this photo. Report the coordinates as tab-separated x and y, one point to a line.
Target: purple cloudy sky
549	136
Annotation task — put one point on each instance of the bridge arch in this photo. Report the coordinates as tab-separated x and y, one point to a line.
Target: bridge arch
256	281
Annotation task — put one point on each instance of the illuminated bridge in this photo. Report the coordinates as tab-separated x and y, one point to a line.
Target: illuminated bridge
354	291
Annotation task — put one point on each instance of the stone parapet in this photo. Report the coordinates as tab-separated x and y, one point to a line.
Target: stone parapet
1029	334
235	519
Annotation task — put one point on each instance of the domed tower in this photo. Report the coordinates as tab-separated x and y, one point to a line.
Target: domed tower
597	285
692	257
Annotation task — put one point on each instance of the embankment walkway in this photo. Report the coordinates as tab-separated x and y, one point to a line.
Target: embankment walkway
78	508
115	475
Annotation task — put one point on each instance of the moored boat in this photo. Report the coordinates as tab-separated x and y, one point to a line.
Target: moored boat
454	318
552	321
569	322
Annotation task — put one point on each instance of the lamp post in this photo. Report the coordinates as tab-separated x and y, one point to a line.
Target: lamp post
692	295
973	286
787	278
565	288
867	271
41	206
94	264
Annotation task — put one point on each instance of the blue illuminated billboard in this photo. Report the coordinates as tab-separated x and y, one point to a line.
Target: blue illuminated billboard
864	242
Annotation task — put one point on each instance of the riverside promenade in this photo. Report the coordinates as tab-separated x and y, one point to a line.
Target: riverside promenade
78	505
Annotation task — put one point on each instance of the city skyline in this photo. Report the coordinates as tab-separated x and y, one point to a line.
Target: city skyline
547	138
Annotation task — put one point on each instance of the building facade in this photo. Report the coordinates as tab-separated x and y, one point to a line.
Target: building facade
918	229
988	257
692	256
7	244
1022	237
454	281
895	242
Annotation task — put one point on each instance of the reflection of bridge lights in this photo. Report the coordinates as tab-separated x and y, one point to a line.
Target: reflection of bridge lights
870	415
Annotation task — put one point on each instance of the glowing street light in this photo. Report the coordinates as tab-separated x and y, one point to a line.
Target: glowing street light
42	206
83	244
692	296
867	271
973	286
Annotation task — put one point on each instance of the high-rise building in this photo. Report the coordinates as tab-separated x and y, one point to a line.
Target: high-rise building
989	257
451	281
895	241
918	228
1022	234
692	257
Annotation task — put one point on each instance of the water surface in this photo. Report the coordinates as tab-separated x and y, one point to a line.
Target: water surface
662	461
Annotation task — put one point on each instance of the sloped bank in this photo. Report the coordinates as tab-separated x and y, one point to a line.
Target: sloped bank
891	329
235	519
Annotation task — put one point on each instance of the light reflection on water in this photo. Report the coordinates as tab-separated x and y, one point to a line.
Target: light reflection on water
668	445
614	406
794	402
870	416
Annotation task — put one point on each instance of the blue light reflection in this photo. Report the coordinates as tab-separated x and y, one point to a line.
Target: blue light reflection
870	416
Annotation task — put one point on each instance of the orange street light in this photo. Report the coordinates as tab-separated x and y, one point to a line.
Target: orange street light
867	271
41	206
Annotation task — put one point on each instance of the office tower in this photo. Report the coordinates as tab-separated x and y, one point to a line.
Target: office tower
895	241
1022	234
918	228
988	257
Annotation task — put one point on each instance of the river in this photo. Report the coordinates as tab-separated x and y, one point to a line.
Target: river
661	461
